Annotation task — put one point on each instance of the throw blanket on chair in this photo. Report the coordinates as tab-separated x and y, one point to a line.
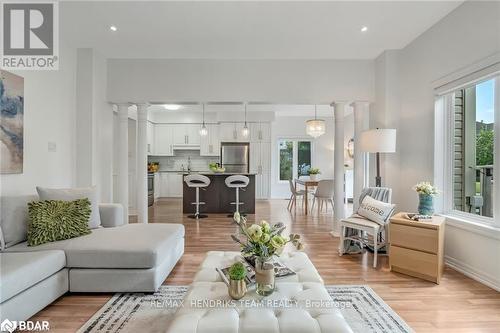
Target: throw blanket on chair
383	194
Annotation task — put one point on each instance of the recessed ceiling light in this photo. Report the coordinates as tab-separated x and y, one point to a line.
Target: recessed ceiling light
113	28
364	29
172	107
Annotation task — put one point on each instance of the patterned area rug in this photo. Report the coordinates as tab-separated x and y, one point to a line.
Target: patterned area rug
363	309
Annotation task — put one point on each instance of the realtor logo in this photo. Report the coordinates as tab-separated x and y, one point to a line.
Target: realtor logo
29	35
8	326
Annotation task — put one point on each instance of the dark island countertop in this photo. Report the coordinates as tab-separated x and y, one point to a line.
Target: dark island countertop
217	196
219	173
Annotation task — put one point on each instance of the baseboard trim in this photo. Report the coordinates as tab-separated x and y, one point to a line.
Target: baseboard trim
473	273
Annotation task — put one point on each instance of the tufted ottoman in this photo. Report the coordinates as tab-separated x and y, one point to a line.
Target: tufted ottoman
300	303
297	261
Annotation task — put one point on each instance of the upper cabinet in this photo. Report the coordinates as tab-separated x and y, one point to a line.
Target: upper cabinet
163	140
233	132
260	132
150	137
186	134
210	144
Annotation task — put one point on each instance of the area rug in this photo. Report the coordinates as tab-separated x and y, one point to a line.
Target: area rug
362	308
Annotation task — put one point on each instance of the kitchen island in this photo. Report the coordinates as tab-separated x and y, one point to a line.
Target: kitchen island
218	197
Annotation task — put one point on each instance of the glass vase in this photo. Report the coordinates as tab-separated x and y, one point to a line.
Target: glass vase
264	276
425	204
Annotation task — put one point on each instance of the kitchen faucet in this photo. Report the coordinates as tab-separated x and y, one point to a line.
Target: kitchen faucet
189	163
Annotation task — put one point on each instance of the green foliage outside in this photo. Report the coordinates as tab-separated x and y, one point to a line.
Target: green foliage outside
484	147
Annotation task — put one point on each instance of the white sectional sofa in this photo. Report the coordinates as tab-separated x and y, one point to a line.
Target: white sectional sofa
113	258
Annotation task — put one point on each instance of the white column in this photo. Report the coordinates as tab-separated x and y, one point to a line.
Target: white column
338	164
142	161
360	159
122	163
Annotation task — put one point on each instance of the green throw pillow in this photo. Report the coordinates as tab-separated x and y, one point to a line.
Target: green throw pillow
54	220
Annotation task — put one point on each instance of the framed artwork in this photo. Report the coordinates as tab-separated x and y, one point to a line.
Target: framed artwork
11	123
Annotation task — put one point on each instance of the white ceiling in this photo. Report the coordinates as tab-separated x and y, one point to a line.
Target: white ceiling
247	30
295	110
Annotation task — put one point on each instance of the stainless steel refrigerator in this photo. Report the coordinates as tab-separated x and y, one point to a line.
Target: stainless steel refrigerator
234	157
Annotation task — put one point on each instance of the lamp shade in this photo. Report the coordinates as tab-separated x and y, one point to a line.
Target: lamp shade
381	140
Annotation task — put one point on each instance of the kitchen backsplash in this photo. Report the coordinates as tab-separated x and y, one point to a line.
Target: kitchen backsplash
175	163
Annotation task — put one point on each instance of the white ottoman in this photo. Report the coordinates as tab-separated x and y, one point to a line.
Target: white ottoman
294	307
299	304
297	261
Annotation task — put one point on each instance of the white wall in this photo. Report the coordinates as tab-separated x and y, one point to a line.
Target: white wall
49	116
278	81
295	127
94	133
467	35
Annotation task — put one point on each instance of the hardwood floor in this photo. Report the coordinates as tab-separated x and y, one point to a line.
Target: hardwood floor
457	305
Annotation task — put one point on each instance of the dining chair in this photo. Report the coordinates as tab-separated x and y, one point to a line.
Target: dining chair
295	193
323	194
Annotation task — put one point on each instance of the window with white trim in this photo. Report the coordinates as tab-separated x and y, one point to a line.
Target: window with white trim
467	148
294	158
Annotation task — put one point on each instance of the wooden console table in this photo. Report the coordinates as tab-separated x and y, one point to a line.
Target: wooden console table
417	247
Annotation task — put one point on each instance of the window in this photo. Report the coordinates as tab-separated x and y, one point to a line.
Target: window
466	150
295	158
473	149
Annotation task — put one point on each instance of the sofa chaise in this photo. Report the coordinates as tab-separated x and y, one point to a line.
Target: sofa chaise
113	258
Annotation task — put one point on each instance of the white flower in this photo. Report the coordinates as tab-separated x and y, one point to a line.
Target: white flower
237	217
255	232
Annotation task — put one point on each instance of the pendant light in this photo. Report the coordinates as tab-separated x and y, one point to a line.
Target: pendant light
245	130
203	129
315	127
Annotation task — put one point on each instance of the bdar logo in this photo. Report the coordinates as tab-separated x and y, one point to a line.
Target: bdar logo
8	326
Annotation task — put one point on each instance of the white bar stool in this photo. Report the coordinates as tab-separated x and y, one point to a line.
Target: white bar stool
238	182
197	182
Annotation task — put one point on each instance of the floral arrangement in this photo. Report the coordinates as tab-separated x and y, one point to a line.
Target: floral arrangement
237	271
426	188
314	171
263	240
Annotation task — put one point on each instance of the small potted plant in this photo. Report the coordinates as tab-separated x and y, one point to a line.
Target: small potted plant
313	173
237	285
426	193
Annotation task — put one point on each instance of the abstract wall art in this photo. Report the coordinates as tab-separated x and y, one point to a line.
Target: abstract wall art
11	122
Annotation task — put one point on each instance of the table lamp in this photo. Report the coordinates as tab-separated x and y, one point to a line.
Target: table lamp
380	140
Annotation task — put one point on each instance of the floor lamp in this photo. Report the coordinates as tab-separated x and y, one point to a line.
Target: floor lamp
380	140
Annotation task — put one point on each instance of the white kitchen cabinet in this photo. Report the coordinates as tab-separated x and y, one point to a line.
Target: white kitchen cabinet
210	144
150	137
170	185
262	188
163	140
175	185
260	163
156	185
260	132
164	186
233	132
186	134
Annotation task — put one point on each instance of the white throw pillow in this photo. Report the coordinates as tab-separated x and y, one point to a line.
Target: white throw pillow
70	194
374	210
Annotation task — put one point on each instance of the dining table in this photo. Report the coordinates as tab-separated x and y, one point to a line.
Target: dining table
306	183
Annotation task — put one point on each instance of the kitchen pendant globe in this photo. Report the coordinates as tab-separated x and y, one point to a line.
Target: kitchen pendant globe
245	131
203	130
